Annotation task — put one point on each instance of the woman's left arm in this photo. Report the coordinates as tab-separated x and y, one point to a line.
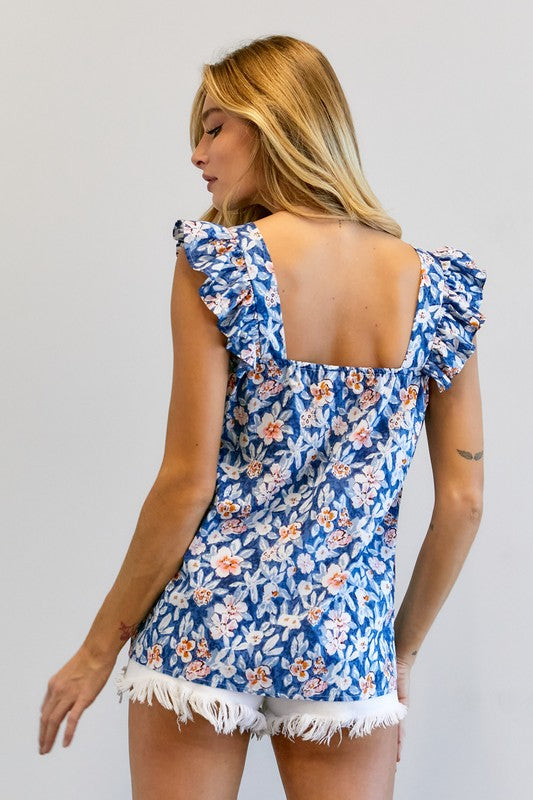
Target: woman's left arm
171	513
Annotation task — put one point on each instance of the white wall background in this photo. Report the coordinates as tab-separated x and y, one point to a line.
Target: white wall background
95	170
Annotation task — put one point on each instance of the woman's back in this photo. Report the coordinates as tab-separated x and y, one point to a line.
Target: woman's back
325	400
348	292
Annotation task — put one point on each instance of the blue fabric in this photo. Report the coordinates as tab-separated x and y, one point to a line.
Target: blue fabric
287	588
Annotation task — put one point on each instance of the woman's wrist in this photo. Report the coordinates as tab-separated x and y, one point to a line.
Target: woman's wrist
406	657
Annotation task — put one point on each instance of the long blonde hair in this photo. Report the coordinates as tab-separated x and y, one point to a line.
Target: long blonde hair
305	148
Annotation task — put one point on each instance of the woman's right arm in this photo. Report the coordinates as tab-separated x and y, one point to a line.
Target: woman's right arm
455	438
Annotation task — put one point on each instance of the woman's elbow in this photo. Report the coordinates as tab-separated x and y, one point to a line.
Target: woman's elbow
465	502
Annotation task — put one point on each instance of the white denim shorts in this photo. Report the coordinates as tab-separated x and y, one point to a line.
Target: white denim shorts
227	711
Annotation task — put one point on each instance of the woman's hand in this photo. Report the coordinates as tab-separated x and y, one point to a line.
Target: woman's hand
72	689
403	671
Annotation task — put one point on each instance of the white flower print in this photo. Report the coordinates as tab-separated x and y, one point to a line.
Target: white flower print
377	565
179	599
335	641
305	587
222	627
289	621
343	681
362	596
231	608
338	620
338	426
196	547
305	563
254	637
228	670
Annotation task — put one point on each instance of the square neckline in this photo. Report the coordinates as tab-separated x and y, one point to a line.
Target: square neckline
342	367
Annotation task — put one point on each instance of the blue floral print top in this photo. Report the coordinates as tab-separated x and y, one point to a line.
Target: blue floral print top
287	588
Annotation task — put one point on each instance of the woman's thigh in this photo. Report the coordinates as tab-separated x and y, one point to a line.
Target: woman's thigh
360	768
179	764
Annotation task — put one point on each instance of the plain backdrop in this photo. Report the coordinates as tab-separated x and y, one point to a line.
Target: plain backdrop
96	168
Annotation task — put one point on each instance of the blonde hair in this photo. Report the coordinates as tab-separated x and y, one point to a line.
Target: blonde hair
304	148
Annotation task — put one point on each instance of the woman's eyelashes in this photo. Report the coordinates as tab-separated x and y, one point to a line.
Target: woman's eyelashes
214	131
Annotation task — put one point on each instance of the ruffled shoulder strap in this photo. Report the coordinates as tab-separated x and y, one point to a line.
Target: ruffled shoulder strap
459	284
227	291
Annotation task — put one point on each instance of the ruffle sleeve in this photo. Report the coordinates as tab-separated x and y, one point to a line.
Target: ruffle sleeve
227	290
460	318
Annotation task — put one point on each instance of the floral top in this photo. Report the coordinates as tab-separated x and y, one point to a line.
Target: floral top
287	588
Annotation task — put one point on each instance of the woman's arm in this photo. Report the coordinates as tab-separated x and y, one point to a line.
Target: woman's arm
171	513
169	517
455	439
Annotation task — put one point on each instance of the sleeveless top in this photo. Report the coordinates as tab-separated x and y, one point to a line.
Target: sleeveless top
287	587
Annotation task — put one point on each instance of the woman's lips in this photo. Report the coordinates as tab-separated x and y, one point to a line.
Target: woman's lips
210	183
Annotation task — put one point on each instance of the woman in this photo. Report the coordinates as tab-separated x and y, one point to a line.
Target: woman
258	588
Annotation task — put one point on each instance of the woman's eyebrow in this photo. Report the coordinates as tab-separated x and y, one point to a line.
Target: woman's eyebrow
209	111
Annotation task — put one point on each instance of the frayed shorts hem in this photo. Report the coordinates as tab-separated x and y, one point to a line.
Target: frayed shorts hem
228	711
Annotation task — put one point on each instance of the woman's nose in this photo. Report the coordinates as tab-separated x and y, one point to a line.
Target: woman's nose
197	157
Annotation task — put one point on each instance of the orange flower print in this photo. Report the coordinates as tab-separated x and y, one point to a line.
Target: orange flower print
325	518
202	596
354	381
225	563
314	614
154	656
290	532
319	666
408	396
254	468
344	520
322	392
314	686
197	669
270	429
220	247
340	470
256	372
226	508
202	650
424	276
273	369
258	678
367	685
299	668
184	647
371	379
334	579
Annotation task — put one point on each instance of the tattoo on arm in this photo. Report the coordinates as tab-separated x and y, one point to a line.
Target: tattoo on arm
127	631
470	456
